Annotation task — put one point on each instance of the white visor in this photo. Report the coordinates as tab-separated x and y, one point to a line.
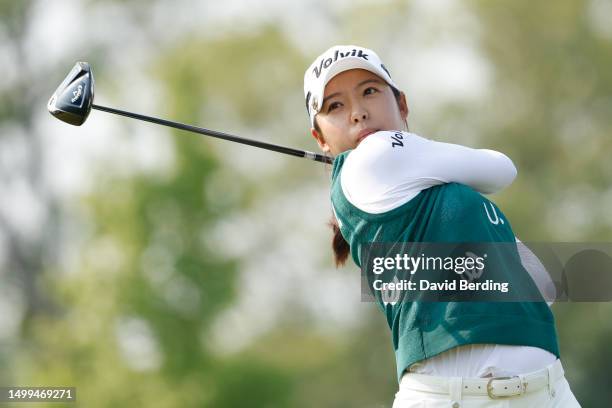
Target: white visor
335	60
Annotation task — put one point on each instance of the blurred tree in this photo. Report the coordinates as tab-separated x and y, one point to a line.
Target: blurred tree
28	239
139	313
549	110
137	316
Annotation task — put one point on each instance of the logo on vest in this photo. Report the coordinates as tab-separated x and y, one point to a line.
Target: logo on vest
391	296
493	220
326	62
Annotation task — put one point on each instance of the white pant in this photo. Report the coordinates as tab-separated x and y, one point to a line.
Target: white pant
546	388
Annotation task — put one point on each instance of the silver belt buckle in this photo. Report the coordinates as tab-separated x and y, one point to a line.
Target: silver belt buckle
493	396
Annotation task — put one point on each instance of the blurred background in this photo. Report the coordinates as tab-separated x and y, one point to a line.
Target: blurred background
150	267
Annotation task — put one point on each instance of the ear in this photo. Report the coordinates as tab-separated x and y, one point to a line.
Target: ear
403	106
320	140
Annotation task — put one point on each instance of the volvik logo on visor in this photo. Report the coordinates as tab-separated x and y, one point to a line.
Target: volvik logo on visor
326	62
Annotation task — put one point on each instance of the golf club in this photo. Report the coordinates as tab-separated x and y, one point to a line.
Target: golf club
73	100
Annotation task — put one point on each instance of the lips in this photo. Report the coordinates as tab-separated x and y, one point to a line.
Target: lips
365	133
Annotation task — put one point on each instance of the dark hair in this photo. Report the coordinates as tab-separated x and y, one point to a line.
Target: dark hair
340	247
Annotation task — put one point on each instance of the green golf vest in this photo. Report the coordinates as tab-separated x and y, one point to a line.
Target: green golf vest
448	213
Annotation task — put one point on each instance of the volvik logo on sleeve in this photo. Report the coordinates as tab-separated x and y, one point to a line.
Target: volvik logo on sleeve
326	62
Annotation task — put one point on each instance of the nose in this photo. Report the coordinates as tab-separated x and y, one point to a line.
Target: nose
358	114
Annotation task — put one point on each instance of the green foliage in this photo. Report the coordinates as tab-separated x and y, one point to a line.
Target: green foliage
551	89
552	86
133	323
249	73
13	13
147	270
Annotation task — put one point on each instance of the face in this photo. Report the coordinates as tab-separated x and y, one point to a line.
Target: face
357	103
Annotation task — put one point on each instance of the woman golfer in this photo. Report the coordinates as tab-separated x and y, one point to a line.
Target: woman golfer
389	185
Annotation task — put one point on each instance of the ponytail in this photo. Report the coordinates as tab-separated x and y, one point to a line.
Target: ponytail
339	245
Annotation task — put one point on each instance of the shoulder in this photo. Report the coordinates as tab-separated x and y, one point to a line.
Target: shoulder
380	149
393	140
384	171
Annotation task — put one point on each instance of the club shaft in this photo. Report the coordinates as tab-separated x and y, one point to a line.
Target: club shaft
220	135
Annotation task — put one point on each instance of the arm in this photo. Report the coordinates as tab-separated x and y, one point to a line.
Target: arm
486	171
538	272
384	171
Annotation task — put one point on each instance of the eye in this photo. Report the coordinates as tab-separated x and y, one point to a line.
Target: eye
333	106
370	90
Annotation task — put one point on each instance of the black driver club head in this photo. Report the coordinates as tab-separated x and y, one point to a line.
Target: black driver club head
71	102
